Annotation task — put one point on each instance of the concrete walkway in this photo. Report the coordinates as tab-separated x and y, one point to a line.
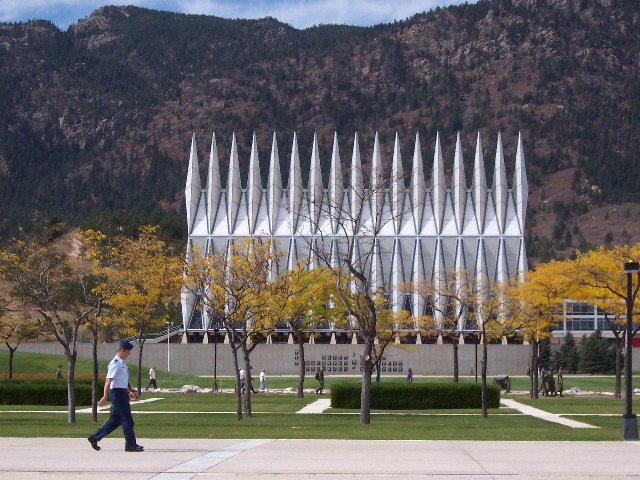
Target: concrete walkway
205	459
318	406
550	417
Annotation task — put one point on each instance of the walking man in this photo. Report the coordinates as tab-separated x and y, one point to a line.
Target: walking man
118	391
320	378
263	377
560	381
152	378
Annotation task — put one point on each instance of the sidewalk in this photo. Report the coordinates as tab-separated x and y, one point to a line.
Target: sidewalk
204	459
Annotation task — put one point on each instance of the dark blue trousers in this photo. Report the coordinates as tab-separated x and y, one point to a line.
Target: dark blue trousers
120	415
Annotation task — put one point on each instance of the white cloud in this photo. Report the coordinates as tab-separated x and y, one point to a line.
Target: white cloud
298	13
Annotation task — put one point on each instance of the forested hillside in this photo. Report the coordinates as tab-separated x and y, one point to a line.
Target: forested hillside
99	118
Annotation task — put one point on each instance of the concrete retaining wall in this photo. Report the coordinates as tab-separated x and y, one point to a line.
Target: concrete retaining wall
284	359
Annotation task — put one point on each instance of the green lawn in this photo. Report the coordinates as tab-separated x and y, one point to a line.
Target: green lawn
208	415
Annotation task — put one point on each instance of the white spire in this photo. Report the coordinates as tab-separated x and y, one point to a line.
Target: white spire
294	190
193	187
357	184
397	277
314	190
418	186
479	186
397	189
214	188
520	184
438	190
500	185
459	187
336	187
376	188
274	187
254	186
234	187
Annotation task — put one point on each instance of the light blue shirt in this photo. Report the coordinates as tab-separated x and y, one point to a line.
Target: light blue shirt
118	372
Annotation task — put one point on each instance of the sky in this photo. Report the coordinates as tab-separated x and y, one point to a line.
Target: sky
297	13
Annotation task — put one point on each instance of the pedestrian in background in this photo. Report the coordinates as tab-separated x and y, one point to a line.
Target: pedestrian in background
320	378
409	376
263	377
152	378
560	381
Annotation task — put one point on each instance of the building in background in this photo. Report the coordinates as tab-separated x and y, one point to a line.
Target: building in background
427	224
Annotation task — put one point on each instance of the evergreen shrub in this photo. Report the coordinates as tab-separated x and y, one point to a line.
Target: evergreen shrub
44	392
427	396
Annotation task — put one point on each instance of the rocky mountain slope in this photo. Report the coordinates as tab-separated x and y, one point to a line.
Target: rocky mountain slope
99	118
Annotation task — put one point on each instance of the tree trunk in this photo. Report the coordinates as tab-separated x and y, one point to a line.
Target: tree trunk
485	410
302	364
95	379
139	379
11	352
533	389
238	389
619	343
71	388
455	360
247	380
365	392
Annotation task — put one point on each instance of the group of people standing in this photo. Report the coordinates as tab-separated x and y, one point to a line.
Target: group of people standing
550	386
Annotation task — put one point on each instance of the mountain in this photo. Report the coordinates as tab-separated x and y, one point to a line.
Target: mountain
99	118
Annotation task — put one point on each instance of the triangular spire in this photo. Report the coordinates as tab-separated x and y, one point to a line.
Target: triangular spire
294	190
376	188
193	186
438	190
479	185
459	187
234	186
315	190
254	186
336	186
500	185
214	187
520	184
274	187
357	184
397	189
418	186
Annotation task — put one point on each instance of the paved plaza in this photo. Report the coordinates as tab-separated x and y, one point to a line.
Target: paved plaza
204	459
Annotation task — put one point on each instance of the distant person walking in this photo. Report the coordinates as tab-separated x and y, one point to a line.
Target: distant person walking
263	377
409	376
118	391
152	378
560	381
59	372
320	378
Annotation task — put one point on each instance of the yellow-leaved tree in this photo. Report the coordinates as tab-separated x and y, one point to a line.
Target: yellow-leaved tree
535	306
140	278
50	283
597	277
233	286
299	298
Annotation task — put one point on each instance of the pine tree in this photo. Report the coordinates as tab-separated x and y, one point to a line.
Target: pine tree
568	354
595	355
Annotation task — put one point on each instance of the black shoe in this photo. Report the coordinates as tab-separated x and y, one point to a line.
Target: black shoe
135	448
94	442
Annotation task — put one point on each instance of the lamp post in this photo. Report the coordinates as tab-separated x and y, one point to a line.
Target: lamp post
629	423
169	325
215	360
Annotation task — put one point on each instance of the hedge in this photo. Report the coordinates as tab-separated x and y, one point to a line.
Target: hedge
425	396
44	392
